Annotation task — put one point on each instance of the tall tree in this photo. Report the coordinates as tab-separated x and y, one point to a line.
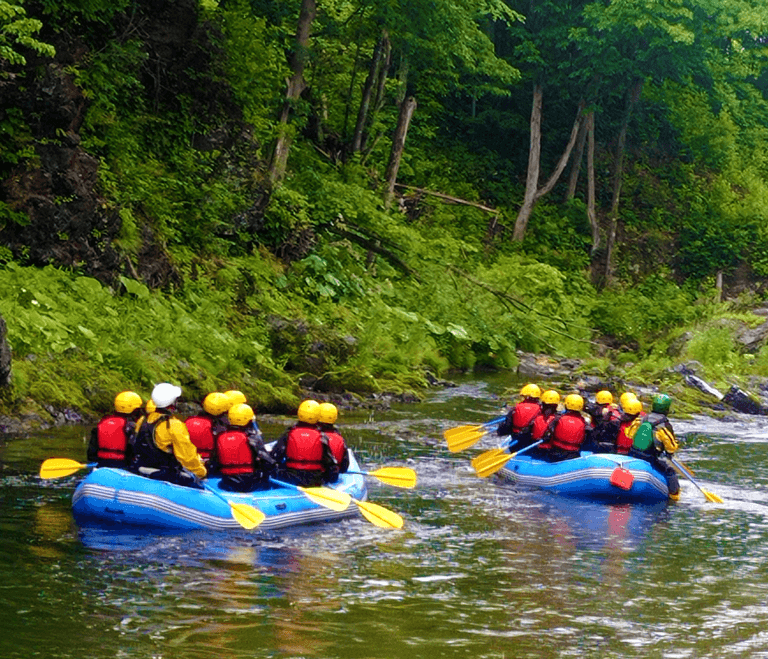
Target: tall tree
295	86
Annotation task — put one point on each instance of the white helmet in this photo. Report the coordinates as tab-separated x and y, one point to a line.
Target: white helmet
165	394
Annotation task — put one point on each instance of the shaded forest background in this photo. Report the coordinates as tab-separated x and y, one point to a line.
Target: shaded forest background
356	197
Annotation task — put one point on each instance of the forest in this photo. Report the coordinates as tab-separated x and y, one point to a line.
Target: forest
356	197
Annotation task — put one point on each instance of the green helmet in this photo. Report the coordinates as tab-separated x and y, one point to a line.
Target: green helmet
660	403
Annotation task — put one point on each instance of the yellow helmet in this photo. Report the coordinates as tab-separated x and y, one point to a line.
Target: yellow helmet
127	401
327	413
633	406
235	397
309	411
574	402
240	414
550	397
604	397
530	391
216	403
625	398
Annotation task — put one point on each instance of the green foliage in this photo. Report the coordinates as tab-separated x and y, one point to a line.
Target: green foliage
17	32
639	314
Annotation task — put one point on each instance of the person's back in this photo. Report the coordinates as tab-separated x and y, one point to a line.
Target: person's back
204	427
655	437
164	450
519	420
550	399
243	461
338	447
300	453
630	421
566	433
112	440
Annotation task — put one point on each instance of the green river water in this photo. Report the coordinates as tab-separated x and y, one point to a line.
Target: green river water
481	569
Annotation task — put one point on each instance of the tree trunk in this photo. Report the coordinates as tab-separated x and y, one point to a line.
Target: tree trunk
5	356
365	101
591	182
295	86
578	156
633	94
532	192
407	108
378	100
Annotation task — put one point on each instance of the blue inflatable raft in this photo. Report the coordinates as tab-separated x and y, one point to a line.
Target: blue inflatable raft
115	496
604	477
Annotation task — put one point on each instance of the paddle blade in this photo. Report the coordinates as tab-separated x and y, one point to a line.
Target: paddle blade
325	496
465	441
397	476
492	465
711	496
60	467
379	515
247	516
460	430
479	461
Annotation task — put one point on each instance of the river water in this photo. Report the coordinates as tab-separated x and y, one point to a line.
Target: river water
481	568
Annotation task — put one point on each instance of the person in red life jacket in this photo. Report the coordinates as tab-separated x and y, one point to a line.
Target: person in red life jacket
550	399
330	435
236	398
604	425
630	420
207	425
245	465
519	420
301	455
111	443
625	398
163	450
565	434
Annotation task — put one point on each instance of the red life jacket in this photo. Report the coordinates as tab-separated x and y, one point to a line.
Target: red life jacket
623	442
304	449
568	433
540	424
523	414
337	445
234	454
201	434
112	440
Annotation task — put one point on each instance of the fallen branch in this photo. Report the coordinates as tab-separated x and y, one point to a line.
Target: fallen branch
453	200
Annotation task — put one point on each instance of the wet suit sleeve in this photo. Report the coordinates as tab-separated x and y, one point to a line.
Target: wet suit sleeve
184	449
278	450
505	427
92	453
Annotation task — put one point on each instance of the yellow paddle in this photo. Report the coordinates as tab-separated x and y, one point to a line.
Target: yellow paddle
397	476
379	515
467	440
247	516
60	467
462	437
709	496
496	462
322	496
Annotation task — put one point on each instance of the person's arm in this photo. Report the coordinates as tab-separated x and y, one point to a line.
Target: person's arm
92	453
278	450
505	427
184	450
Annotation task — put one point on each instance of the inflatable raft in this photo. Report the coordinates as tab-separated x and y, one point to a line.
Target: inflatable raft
603	477
115	496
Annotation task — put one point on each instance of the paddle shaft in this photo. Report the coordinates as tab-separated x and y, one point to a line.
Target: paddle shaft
709	496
